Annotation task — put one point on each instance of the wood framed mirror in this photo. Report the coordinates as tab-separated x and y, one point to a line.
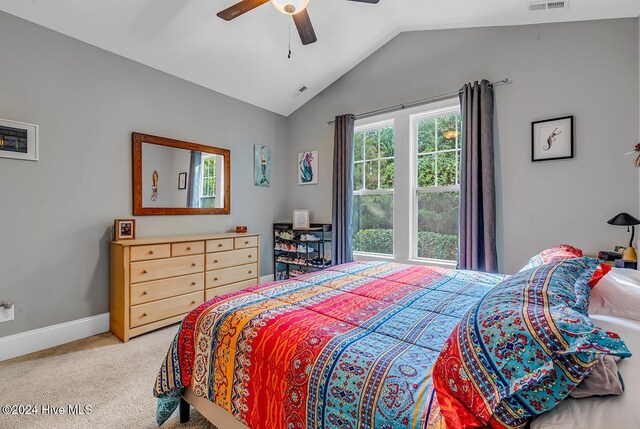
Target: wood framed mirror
173	177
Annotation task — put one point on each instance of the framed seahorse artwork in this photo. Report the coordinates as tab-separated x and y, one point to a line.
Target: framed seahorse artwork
552	139
308	167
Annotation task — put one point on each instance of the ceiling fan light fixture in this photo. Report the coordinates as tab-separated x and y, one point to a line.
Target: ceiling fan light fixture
290	7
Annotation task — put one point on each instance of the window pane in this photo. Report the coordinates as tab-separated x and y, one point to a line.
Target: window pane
426	135
358	147
358	172
371	144
447	132
373	223
426	170
371	174
447	168
386	142
438	225
387	172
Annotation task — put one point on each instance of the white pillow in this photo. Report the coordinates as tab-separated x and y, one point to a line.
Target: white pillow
617	294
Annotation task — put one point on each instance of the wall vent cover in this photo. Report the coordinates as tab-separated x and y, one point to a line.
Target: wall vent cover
547	5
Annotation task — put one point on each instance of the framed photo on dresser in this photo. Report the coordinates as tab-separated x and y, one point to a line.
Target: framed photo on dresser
124	229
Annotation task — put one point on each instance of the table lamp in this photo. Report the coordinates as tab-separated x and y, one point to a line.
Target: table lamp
625	219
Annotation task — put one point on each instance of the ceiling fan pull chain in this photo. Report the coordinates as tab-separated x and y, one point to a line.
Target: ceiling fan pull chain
289	56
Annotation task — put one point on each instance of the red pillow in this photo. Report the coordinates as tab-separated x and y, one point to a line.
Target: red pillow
563	252
557	253
601	271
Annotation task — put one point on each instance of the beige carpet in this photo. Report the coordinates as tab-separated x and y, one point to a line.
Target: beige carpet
115	379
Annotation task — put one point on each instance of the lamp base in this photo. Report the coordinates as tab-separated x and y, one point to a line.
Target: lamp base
630	255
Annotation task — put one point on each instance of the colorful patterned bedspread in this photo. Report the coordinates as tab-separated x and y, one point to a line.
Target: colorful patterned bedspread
349	347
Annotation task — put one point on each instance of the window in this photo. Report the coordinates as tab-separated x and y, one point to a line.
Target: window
208	183
373	180
437	189
406	185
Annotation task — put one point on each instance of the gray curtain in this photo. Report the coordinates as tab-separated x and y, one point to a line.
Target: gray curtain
342	248
477	180
193	183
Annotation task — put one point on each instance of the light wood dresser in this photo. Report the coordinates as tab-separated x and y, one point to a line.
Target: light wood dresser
155	282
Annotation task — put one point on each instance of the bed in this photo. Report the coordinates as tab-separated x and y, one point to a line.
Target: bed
368	344
351	347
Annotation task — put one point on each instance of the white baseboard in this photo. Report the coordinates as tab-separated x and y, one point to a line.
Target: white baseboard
51	336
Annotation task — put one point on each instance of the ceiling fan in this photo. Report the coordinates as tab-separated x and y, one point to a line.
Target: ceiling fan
296	8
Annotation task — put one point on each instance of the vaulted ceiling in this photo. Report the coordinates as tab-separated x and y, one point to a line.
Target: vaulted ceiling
247	58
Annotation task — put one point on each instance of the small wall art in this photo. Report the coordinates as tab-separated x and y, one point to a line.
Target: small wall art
308	168
262	165
552	139
182	181
18	140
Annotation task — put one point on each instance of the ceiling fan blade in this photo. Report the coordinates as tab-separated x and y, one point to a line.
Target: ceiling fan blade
240	8
305	29
367	1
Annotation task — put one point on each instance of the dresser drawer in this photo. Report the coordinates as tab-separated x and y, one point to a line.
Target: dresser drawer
158	310
186	249
219	245
165	268
227	276
167	288
147	253
244	242
221	290
231	258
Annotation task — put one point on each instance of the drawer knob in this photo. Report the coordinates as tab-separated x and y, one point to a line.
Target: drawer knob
215	261
144	293
193	264
246	242
220	245
188	249
215	279
193	283
144	271
250	256
144	314
150	252
250	271
193	302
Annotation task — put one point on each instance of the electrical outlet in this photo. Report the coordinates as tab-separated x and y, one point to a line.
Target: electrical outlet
7	314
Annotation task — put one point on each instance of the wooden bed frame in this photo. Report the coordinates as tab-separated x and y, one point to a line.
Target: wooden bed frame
215	414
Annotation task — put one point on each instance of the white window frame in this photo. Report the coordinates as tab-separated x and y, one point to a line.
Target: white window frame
405	190
417	190
378	125
202	177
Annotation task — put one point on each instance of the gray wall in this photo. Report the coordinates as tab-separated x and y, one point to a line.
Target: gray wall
586	69
57	213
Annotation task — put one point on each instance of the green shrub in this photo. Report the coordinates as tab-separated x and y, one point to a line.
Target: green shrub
430	244
437	246
374	241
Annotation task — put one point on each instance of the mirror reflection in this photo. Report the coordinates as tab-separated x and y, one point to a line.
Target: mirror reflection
180	178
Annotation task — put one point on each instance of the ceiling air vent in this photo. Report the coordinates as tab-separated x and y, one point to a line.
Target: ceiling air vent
547	5
300	90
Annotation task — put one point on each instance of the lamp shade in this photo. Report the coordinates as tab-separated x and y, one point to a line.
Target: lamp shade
623	219
290	7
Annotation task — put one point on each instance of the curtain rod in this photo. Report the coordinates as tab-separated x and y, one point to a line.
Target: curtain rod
417	102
